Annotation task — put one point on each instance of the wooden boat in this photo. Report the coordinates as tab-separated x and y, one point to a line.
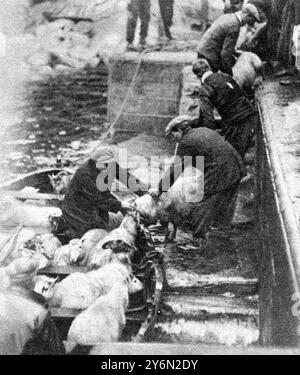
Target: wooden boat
143	306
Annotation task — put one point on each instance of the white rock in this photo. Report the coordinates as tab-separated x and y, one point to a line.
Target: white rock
76	145
39	58
15	156
79	39
94	62
46	70
41	30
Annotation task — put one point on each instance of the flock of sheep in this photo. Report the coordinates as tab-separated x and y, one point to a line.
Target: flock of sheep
102	293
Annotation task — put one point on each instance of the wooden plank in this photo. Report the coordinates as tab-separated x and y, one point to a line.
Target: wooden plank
208	307
62	313
190	282
157	57
61	272
164	349
36	196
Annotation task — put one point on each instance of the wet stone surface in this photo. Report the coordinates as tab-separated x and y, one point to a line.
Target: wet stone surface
285	125
227	254
226	331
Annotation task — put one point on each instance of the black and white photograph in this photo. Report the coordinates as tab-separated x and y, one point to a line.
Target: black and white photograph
149	180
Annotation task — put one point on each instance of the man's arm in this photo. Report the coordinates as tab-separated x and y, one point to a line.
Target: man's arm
102	200
206	114
228	52
124	176
196	123
170	176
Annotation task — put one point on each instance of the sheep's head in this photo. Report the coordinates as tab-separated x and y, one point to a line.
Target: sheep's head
147	208
123	252
130	223
119	246
134	284
45	286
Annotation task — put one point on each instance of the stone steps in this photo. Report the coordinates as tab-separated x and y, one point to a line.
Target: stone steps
208	307
193	283
161	349
227	332
209	320
211	293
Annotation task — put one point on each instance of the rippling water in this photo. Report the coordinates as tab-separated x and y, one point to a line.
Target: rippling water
44	117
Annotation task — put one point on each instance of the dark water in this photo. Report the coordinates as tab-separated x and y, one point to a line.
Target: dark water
52	113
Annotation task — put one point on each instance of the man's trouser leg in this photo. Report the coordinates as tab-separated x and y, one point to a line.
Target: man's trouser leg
132	9
240	135
167	11
144	13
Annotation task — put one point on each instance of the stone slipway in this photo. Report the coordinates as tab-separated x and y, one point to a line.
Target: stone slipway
280	109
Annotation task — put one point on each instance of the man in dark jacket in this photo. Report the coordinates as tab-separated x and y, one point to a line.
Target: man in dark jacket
167	11
138	9
26	326
89	202
265	42
223	170
232	6
218	43
220	91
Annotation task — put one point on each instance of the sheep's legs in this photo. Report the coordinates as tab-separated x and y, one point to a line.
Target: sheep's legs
171	232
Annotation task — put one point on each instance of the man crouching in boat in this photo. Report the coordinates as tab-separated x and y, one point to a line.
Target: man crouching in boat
26	326
223	171
88	203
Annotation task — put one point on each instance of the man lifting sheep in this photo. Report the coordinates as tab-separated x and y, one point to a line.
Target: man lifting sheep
223	170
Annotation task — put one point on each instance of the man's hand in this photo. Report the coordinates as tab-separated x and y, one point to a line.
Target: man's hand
155	194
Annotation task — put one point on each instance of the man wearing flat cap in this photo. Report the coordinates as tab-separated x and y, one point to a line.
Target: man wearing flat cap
217	45
220	91
88	203
232	6
26	326
223	170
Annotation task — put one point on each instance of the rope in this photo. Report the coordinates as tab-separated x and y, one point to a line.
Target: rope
176	150
113	124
